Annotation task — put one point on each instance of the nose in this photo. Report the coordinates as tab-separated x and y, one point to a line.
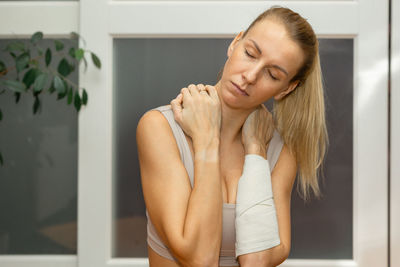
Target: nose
250	75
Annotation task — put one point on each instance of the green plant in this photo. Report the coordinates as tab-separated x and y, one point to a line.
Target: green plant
35	75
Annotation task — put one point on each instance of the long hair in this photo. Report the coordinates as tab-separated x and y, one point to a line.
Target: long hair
300	115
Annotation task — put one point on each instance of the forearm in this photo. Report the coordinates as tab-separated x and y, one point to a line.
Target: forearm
256	223
272	256
267	258
278	255
203	223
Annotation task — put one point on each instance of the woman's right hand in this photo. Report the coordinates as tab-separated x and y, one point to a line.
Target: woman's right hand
257	131
197	109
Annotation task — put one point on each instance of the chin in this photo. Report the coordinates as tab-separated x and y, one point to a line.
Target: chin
232	101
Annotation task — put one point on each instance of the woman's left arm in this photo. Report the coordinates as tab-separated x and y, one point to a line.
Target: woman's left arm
283	176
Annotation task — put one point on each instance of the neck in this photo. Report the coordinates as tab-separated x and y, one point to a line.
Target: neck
232	121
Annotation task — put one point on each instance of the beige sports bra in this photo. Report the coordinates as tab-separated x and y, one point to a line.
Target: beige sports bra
227	252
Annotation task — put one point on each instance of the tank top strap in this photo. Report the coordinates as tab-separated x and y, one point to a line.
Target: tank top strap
184	150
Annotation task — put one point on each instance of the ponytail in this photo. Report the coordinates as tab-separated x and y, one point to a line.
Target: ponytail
300	120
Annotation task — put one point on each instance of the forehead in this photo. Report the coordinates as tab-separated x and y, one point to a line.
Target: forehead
275	44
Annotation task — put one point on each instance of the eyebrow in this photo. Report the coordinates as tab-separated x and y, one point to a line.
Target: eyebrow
274	66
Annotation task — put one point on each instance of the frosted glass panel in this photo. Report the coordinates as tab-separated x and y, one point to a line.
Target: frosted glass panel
38	182
324	229
150	72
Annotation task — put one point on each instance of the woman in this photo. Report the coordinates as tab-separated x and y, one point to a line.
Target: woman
193	154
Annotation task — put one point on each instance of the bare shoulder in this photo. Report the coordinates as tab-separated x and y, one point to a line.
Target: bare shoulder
156	143
150	121
153	130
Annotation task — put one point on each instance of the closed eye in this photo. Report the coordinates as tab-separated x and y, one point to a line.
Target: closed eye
248	54
272	76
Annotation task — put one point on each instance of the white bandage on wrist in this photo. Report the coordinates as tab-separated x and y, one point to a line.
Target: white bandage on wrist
256	223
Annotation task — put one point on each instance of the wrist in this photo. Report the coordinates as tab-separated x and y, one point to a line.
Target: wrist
206	150
201	142
256	149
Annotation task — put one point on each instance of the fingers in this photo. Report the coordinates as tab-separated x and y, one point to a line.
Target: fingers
212	92
176	105
193	90
267	123
201	87
185	92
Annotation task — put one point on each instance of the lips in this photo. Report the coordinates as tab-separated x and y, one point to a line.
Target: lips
239	90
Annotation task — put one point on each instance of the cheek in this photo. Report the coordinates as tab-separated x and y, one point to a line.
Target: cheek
235	61
269	91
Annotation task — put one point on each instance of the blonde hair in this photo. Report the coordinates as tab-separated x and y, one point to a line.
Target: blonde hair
300	115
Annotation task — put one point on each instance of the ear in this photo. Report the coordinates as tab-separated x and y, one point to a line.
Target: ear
285	92
233	43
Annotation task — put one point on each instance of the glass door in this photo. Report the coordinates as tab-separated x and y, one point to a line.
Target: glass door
139	41
38	178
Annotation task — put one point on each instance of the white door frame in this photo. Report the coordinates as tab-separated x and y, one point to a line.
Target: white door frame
21	20
395	134
103	20
100	21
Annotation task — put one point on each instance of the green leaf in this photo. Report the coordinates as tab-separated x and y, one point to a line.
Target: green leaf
79	54
65	85
74	35
71	52
40	82
64	68
2	66
96	60
59	85
15	86
34	62
36	105
85	62
77	101
84	97
48	57
22	61
30	77
52	89
15	46
13	55
59	45
1	115
17	97
61	96
37	36
70	95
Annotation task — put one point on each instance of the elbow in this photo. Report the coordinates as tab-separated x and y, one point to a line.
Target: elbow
286	252
206	261
198	258
206	258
